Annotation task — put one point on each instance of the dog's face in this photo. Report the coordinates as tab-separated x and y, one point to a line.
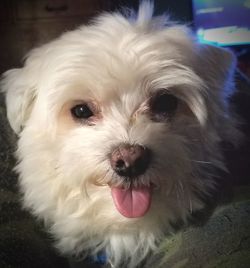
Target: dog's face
119	125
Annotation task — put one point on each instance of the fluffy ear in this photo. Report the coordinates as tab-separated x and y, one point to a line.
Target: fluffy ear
20	90
217	66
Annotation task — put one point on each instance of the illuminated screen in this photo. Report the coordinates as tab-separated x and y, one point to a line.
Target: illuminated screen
222	22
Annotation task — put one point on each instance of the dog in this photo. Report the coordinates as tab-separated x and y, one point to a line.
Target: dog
119	128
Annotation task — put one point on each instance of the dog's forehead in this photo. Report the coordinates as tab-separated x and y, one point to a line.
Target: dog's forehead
117	66
94	62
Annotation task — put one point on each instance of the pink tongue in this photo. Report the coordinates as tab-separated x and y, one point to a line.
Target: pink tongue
132	203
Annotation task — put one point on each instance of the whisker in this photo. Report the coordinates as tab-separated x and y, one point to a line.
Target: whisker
190	205
102	180
202	162
181	186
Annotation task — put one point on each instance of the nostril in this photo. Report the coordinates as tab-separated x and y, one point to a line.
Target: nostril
120	164
121	168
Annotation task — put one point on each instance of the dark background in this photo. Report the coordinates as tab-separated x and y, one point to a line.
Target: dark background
25	24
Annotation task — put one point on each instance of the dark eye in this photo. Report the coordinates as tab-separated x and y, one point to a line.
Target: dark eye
81	111
163	105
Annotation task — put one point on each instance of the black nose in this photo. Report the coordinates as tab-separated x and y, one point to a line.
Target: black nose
130	160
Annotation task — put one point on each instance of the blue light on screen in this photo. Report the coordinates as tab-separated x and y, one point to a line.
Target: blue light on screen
222	22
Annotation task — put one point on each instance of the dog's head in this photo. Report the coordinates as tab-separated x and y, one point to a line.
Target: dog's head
119	124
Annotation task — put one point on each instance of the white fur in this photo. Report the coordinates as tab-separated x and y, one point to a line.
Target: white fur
117	61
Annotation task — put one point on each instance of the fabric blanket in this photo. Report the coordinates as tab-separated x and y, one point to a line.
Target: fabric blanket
222	242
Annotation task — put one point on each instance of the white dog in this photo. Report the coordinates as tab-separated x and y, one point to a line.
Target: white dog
119	126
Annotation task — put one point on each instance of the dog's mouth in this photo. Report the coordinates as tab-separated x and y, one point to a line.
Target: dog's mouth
129	163
132	202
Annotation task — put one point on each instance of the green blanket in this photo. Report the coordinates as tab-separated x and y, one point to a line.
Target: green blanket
223	241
